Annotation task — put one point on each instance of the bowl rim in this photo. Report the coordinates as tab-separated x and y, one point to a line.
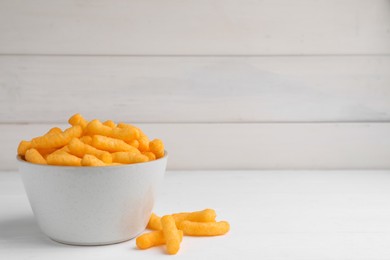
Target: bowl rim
22	161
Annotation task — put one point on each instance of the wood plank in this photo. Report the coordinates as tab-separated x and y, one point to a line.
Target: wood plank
250	146
195	89
195	27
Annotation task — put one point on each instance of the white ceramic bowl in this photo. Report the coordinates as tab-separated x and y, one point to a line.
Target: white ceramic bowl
92	205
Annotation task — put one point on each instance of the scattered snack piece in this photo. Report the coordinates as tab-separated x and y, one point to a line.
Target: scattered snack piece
109	143
204	228
154	222
32	155
154	238
90	160
197	223
171	234
206	215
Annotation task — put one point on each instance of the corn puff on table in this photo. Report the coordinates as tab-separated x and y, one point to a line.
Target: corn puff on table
273	215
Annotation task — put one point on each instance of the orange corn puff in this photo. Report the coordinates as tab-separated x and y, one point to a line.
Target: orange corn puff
23	147
129	157
46	151
55	140
54	130
171	234
143	141
154	222
78	119
32	155
150	155
63	158
154	238
133	143
112	145
78	148
126	133
86	139
204	228
157	147
95	127
207	215
90	160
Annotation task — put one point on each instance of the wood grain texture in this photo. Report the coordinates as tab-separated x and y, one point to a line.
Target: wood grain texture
195	89
216	27
249	146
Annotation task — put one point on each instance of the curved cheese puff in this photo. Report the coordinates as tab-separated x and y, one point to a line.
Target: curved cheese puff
126	134
142	138
204	228
23	147
112	145
154	222
63	158
78	119
143	142
206	215
55	140
157	147
128	157
171	234
33	156
95	127
154	238
78	148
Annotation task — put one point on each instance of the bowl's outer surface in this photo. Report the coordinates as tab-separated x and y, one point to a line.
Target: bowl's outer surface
92	205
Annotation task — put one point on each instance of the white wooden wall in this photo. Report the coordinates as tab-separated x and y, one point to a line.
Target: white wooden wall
228	84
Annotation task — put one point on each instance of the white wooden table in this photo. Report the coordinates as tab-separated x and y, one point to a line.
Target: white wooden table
273	215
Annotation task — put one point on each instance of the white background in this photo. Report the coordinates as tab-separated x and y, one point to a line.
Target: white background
226	84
